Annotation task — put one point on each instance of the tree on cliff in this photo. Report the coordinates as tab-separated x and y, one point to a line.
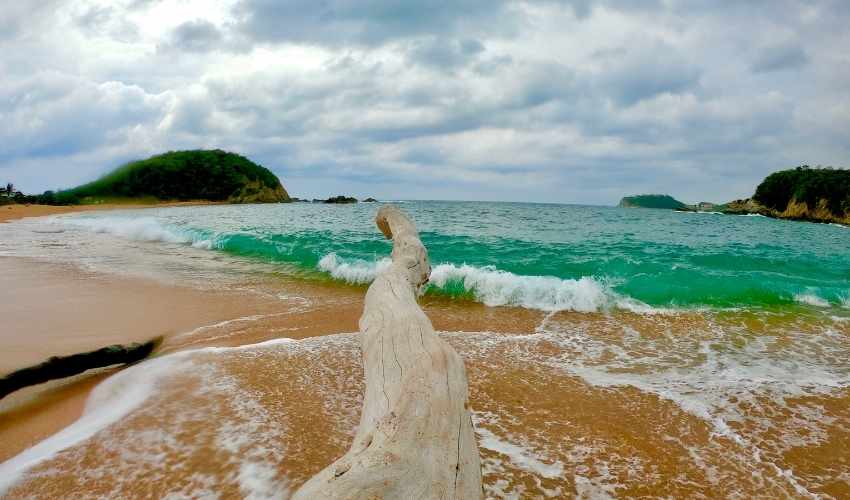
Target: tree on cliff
806	185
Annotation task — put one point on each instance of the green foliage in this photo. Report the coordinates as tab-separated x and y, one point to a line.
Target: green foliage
651	201
213	175
809	185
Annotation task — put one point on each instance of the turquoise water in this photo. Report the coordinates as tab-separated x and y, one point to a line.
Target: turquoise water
542	256
743	324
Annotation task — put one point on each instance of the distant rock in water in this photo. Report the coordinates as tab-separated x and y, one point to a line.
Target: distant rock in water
370	200
651	201
746	206
211	175
340	199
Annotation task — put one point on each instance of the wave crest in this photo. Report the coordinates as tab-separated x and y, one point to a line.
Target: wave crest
495	287
356	272
139	229
811	299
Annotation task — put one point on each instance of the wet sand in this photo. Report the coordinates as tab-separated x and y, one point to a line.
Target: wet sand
52	310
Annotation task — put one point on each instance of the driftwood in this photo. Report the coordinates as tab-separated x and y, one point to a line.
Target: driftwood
415	438
65	366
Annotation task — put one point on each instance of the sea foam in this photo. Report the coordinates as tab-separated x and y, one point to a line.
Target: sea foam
139	229
355	271
495	287
108	403
811	300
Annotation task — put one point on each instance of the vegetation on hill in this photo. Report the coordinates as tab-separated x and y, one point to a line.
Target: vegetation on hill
820	189
651	201
213	175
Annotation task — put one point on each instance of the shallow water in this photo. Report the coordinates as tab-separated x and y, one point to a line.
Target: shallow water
549	257
620	353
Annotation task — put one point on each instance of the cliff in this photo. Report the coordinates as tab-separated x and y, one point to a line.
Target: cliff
802	193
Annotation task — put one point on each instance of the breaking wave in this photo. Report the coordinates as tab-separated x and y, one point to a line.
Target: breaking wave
142	229
811	300
354	272
494	287
699	281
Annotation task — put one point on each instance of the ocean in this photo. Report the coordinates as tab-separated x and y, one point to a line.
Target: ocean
537	256
636	351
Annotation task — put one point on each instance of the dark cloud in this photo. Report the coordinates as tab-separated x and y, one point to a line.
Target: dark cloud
445	53
780	57
197	35
645	72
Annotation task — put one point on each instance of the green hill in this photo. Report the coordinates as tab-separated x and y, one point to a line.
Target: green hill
819	194
651	201
213	175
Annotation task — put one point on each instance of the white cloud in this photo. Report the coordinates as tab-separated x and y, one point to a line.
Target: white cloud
579	101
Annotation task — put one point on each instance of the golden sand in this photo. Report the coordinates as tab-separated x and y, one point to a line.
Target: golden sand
13	212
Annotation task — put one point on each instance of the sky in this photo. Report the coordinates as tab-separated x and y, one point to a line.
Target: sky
580	101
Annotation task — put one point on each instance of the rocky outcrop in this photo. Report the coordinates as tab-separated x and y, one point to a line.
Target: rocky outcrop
745	207
257	192
819	213
340	199
795	210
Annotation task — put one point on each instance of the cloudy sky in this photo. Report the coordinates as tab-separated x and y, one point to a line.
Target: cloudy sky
578	101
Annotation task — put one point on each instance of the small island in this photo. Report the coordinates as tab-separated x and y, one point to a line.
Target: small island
651	201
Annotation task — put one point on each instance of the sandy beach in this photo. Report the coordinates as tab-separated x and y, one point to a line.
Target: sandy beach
260	386
55	310
12	212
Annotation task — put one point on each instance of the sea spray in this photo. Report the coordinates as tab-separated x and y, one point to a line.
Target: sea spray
355	272
488	285
494	287
139	229
143	229
811	299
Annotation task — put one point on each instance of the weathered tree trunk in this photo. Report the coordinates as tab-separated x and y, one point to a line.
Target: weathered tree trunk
66	366
415	438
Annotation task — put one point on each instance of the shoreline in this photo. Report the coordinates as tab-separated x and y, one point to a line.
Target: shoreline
14	212
59	309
